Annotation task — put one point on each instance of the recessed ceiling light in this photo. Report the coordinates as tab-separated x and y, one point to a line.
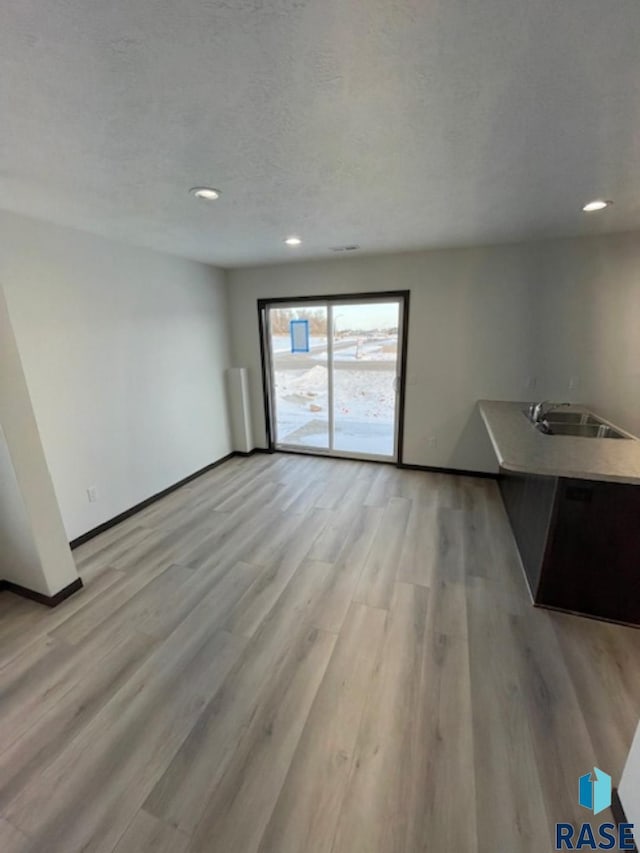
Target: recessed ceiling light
293	241
207	193
596	204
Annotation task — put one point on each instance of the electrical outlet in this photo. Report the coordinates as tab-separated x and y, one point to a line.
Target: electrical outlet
432	441
531	383
573	383
92	494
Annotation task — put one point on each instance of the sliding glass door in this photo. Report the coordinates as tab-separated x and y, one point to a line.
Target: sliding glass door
334	375
299	343
365	370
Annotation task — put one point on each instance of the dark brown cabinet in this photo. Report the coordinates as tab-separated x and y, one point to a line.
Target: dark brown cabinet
579	541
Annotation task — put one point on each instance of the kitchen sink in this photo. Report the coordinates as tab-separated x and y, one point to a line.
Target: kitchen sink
572	418
592	429
577	424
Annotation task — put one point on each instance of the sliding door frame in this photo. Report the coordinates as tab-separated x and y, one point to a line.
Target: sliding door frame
326	299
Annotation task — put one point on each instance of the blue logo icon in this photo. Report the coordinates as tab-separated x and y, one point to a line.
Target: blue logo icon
595	793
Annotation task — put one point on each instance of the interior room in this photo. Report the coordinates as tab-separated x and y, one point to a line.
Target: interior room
319	418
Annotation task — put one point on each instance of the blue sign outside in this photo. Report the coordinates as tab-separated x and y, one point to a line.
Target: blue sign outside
299	330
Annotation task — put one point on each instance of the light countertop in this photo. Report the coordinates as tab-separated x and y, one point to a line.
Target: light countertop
521	448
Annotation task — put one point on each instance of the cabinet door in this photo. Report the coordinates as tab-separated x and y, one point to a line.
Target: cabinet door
593	562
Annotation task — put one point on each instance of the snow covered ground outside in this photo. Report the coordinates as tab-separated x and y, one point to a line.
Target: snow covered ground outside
374	348
282	343
364	407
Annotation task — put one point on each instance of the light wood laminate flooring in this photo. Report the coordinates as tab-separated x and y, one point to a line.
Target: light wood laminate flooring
301	655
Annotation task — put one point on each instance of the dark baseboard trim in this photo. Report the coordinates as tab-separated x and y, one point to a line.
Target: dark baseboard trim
48	600
90	534
542	606
461	472
328	456
618	811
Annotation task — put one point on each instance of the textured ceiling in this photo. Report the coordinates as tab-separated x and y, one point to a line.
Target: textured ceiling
393	124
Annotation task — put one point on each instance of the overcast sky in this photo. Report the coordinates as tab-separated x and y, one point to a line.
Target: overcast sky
365	316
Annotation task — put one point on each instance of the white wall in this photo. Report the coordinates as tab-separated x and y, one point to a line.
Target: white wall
589	324
37	553
124	350
483	322
19	561
629	788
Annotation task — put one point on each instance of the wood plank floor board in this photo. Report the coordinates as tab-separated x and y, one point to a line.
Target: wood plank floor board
307	809
235	542
51	728
36	680
26	621
420	487
608	698
259	599
222	482
291	533
561	737
376	584
450	495
11	839
258	766
470	491
109	546
112	610
182	793
97	582
300	497
448	600
443	775
249	495
383	486
279	555
212	593
147	834
503	744
334	490
197	513
113	763
33	682
419	548
125	608
347	569
216	686
477	545
380	798
158	551
181	538
339	523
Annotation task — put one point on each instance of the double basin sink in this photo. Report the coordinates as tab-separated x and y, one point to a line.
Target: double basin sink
577	424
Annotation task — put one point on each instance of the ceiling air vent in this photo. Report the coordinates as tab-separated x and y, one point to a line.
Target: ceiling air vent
352	248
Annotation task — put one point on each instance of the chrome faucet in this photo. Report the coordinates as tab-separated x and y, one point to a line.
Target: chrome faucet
539	411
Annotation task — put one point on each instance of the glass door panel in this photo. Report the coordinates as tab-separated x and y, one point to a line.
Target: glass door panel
298	341
363	372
